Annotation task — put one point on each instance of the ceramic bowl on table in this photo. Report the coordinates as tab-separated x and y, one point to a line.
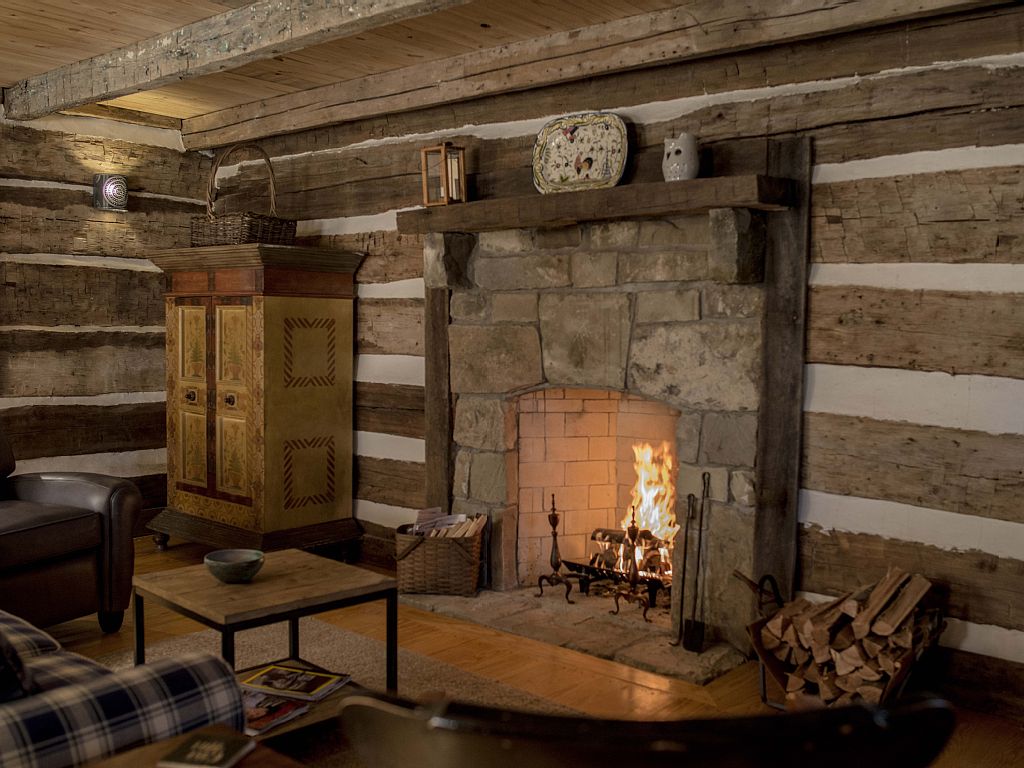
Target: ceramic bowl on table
234	566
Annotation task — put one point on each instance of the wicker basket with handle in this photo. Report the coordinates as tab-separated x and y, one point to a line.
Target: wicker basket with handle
236	228
435	565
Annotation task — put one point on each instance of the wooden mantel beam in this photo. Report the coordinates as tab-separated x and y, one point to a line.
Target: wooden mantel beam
229	40
693	30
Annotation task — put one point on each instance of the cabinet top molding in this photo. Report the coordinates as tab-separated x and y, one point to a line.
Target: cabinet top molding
670	198
256	255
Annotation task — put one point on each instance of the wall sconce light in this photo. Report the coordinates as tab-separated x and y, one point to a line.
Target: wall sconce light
109	192
444	174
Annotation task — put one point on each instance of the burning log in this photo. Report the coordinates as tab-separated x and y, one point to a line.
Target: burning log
859	646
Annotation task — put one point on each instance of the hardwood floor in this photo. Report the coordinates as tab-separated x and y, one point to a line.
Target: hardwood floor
598	687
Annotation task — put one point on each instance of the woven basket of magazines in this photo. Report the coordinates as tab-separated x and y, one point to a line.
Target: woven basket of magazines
237	228
447	564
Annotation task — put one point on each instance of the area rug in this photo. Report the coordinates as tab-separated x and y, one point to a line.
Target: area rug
332	648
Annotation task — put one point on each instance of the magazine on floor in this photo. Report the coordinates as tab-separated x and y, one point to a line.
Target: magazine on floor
264	711
206	750
294	682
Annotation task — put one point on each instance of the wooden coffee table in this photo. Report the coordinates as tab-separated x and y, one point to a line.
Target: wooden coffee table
291	584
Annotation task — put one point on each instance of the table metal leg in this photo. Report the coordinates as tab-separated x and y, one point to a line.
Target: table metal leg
140	632
227	646
293	638
392	642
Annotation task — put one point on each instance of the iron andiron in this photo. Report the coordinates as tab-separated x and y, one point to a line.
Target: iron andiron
556	576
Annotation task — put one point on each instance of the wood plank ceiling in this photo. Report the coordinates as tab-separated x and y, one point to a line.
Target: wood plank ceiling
37	36
223	71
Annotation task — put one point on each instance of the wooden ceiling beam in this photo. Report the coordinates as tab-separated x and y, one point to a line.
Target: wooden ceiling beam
121	115
229	40
699	29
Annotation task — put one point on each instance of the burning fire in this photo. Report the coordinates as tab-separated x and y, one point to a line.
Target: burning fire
654	497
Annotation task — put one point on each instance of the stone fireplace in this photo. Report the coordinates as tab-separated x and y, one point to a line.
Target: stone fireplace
556	336
660	315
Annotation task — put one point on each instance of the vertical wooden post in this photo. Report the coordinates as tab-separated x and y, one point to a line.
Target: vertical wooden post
781	413
437	400
445	262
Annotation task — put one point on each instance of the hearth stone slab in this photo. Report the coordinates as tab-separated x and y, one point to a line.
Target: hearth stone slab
656	655
588	627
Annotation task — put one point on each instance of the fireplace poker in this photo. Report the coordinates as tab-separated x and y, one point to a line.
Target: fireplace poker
693	630
680	578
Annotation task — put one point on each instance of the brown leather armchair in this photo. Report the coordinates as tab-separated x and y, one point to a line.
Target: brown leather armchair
66	545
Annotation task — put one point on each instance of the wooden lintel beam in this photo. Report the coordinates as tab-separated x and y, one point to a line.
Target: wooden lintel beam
121	115
229	40
699	29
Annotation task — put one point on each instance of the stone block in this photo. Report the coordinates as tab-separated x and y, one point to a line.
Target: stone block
514	307
680	230
612	235
688	437
522	273
463	460
563	237
691	481
729	438
494	359
585	338
594	270
470	507
469	305
489	479
504	241
678	306
729	605
502	561
728	301
703	365
742	487
484	423
737	251
663	266
446	258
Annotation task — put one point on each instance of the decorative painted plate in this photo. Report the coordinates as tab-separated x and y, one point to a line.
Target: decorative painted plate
584	151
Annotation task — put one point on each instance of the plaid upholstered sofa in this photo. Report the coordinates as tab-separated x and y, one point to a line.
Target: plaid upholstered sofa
76	710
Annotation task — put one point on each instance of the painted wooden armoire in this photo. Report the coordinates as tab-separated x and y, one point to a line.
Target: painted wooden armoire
259	395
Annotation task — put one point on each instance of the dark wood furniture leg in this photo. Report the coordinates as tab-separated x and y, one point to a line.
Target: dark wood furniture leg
140	631
293	638
227	646
392	641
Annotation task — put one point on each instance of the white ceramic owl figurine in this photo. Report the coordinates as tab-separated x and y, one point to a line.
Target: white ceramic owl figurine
680	160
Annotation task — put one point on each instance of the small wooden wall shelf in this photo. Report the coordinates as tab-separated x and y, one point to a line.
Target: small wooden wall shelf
664	198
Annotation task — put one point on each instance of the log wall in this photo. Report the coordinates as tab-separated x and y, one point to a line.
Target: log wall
81	308
915	365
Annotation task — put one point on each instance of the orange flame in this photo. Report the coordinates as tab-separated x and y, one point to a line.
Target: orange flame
654	492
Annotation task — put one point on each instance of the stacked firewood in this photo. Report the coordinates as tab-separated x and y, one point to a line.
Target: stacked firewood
857	647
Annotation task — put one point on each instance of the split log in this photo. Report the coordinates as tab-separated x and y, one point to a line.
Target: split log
877	601
908	598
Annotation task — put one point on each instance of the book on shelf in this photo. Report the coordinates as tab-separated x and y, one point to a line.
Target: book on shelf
202	750
294	682
264	711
